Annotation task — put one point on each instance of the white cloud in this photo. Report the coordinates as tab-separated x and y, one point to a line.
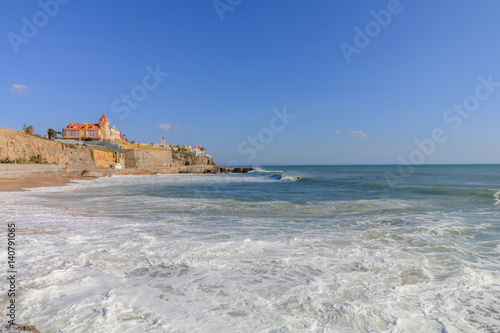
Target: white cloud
337	131
165	127
20	89
357	135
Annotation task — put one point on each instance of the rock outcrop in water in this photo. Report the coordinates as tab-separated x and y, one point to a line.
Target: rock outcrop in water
242	170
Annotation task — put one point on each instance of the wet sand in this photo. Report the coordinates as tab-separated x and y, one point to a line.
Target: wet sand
19	184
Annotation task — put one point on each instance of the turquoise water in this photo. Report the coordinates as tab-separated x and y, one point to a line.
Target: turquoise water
282	249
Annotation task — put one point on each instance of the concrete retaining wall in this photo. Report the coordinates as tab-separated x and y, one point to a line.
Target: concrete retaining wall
31	170
29	167
39	174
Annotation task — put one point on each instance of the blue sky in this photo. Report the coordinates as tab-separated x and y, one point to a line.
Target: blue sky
229	78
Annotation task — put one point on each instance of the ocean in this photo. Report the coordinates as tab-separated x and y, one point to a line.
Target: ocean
281	249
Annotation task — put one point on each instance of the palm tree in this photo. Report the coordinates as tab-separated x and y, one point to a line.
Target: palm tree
52	133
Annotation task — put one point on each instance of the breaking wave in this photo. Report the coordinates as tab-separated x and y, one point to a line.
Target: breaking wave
281	175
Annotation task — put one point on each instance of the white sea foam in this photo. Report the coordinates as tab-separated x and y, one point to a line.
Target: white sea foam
259	169
179	264
289	178
497	198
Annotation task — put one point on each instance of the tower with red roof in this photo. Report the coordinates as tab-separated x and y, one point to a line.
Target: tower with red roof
104	125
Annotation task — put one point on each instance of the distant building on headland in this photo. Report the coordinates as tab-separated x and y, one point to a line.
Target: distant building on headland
101	131
162	144
200	151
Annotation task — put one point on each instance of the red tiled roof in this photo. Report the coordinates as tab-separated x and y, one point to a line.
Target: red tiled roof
83	126
103	118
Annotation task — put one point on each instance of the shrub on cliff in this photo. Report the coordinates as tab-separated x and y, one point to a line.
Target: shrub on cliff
30	130
7	161
20	160
36	159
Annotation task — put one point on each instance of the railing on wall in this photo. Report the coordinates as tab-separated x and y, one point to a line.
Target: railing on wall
93	143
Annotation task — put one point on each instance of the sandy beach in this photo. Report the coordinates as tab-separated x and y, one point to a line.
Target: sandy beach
20	184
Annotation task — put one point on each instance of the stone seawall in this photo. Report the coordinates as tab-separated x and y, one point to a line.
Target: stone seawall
144	159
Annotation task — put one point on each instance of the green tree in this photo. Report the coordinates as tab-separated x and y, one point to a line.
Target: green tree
30	130
51	133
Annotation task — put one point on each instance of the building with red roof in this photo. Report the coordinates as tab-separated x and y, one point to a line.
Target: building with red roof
102	131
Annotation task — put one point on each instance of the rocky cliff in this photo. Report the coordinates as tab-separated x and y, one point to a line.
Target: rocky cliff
18	145
187	159
103	159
